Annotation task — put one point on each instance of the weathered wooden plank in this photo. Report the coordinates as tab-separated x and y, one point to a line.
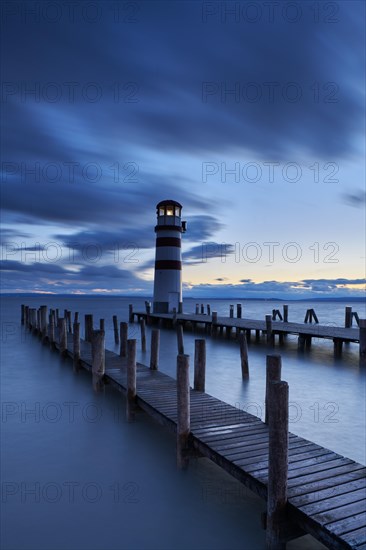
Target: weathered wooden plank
333	490
333	502
343	511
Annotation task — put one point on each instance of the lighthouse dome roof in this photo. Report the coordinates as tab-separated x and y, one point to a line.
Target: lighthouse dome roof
167	202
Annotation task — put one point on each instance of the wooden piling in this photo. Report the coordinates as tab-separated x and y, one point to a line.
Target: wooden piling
238	311
38	323
231	311
348	317
76	347
155	347
101	324
202	309
183	410
273	374
115	329
62	336
277	465
22	314
301	343
243	345
197	309
26	316
130	313
76	317
285	313
51	329
338	345
98	358
131	380
180	339
88	327
199	364
123	332
208	309
362	325
57	316
269	330
43	322
143	334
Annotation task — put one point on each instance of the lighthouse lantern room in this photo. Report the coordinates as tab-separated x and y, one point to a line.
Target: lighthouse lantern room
168	258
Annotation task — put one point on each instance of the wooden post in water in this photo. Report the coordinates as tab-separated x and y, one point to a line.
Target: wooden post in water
362	324
26	316
43	321
115	329
69	319
214	323
285	313
101	324
130	313
183	406
123	332
348	317
76	317
143	334
199	364
38	324
238	311
277	465
98	359
131	380
51	329
338	345
155	346
57	316
62	336
76	347
88	327
231	311
197	309
180	341
269	330
208	309
22	315
273	374
244	355
301	343
202	309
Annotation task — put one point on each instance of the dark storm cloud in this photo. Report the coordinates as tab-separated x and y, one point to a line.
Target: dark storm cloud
169	53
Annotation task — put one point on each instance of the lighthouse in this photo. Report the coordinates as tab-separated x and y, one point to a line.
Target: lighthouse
168	258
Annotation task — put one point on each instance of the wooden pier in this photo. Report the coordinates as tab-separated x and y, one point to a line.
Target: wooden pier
272	329
314	490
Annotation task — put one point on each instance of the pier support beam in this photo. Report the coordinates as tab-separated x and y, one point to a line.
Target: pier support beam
180	341
155	346
115	330
88	328
338	345
214	323
131	380
348	317
183	405
98	359
231	311
277	465
273	374
243	345
130	313
76	347
285	313
270	339
62	336
362	324
199	364
123	332
143	334
238	311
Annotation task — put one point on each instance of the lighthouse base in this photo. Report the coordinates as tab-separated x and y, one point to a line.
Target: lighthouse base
163	307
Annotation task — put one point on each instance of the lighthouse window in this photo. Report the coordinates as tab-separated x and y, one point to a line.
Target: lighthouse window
169	211
177	213
161	211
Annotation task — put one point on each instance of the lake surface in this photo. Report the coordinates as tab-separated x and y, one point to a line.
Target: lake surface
75	475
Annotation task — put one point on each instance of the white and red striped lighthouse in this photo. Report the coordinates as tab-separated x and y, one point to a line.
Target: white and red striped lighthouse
168	258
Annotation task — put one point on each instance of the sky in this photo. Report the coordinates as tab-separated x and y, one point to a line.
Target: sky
250	114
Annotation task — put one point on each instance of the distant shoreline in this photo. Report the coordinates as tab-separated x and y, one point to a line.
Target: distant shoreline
198	298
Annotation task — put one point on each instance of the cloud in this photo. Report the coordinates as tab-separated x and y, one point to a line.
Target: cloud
356	199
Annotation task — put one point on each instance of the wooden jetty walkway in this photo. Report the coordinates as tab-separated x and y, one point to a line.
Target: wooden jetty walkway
271	328
308	488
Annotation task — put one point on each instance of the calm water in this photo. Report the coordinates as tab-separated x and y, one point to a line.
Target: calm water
75	475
